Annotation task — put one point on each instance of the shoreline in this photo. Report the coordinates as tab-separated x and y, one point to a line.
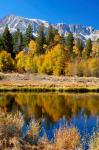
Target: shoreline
49	89
15	82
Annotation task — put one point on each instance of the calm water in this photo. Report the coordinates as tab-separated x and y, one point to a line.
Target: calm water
55	110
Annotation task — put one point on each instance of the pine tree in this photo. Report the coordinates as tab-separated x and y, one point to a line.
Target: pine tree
28	35
20	41
7	41
80	46
17	41
1	44
40	41
49	35
88	48
62	40
70	44
97	39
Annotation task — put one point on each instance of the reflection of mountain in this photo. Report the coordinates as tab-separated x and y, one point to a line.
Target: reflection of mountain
52	106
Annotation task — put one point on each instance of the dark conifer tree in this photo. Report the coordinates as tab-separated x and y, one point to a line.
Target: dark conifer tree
88	48
80	46
97	39
57	37
70	44
62	40
49	35
20	41
17	41
28	35
1	44
40	40
7	41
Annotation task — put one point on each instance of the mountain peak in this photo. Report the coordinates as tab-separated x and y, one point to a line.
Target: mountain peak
17	22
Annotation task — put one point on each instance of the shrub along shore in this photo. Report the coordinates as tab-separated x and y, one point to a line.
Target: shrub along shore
43	83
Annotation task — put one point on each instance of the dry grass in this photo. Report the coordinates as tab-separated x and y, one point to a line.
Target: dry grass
29	82
68	139
65	139
94	142
9	132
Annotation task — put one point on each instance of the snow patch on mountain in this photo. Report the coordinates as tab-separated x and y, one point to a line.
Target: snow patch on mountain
17	22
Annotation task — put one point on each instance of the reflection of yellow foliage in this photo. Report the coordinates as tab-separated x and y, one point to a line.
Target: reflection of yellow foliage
56	106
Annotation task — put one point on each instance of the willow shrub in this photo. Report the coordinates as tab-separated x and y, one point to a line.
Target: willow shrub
85	68
94	67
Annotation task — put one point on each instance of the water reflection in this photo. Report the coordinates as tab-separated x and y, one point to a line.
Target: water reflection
51	106
54	110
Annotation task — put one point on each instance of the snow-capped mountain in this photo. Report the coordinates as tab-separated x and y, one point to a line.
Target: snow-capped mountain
22	23
16	22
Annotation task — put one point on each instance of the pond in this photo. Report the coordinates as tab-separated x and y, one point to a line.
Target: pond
55	110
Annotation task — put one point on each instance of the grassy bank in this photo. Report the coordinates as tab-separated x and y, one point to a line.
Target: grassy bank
44	83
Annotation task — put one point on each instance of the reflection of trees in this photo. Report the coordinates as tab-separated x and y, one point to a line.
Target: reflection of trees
11	103
8	104
53	106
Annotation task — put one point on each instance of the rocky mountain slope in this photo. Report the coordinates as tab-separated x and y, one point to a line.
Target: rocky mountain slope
22	23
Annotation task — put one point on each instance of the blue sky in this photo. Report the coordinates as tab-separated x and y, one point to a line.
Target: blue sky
84	12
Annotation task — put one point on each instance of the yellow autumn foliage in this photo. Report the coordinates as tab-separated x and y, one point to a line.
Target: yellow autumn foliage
56	61
20	61
53	62
32	46
6	62
81	68
26	62
95	49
